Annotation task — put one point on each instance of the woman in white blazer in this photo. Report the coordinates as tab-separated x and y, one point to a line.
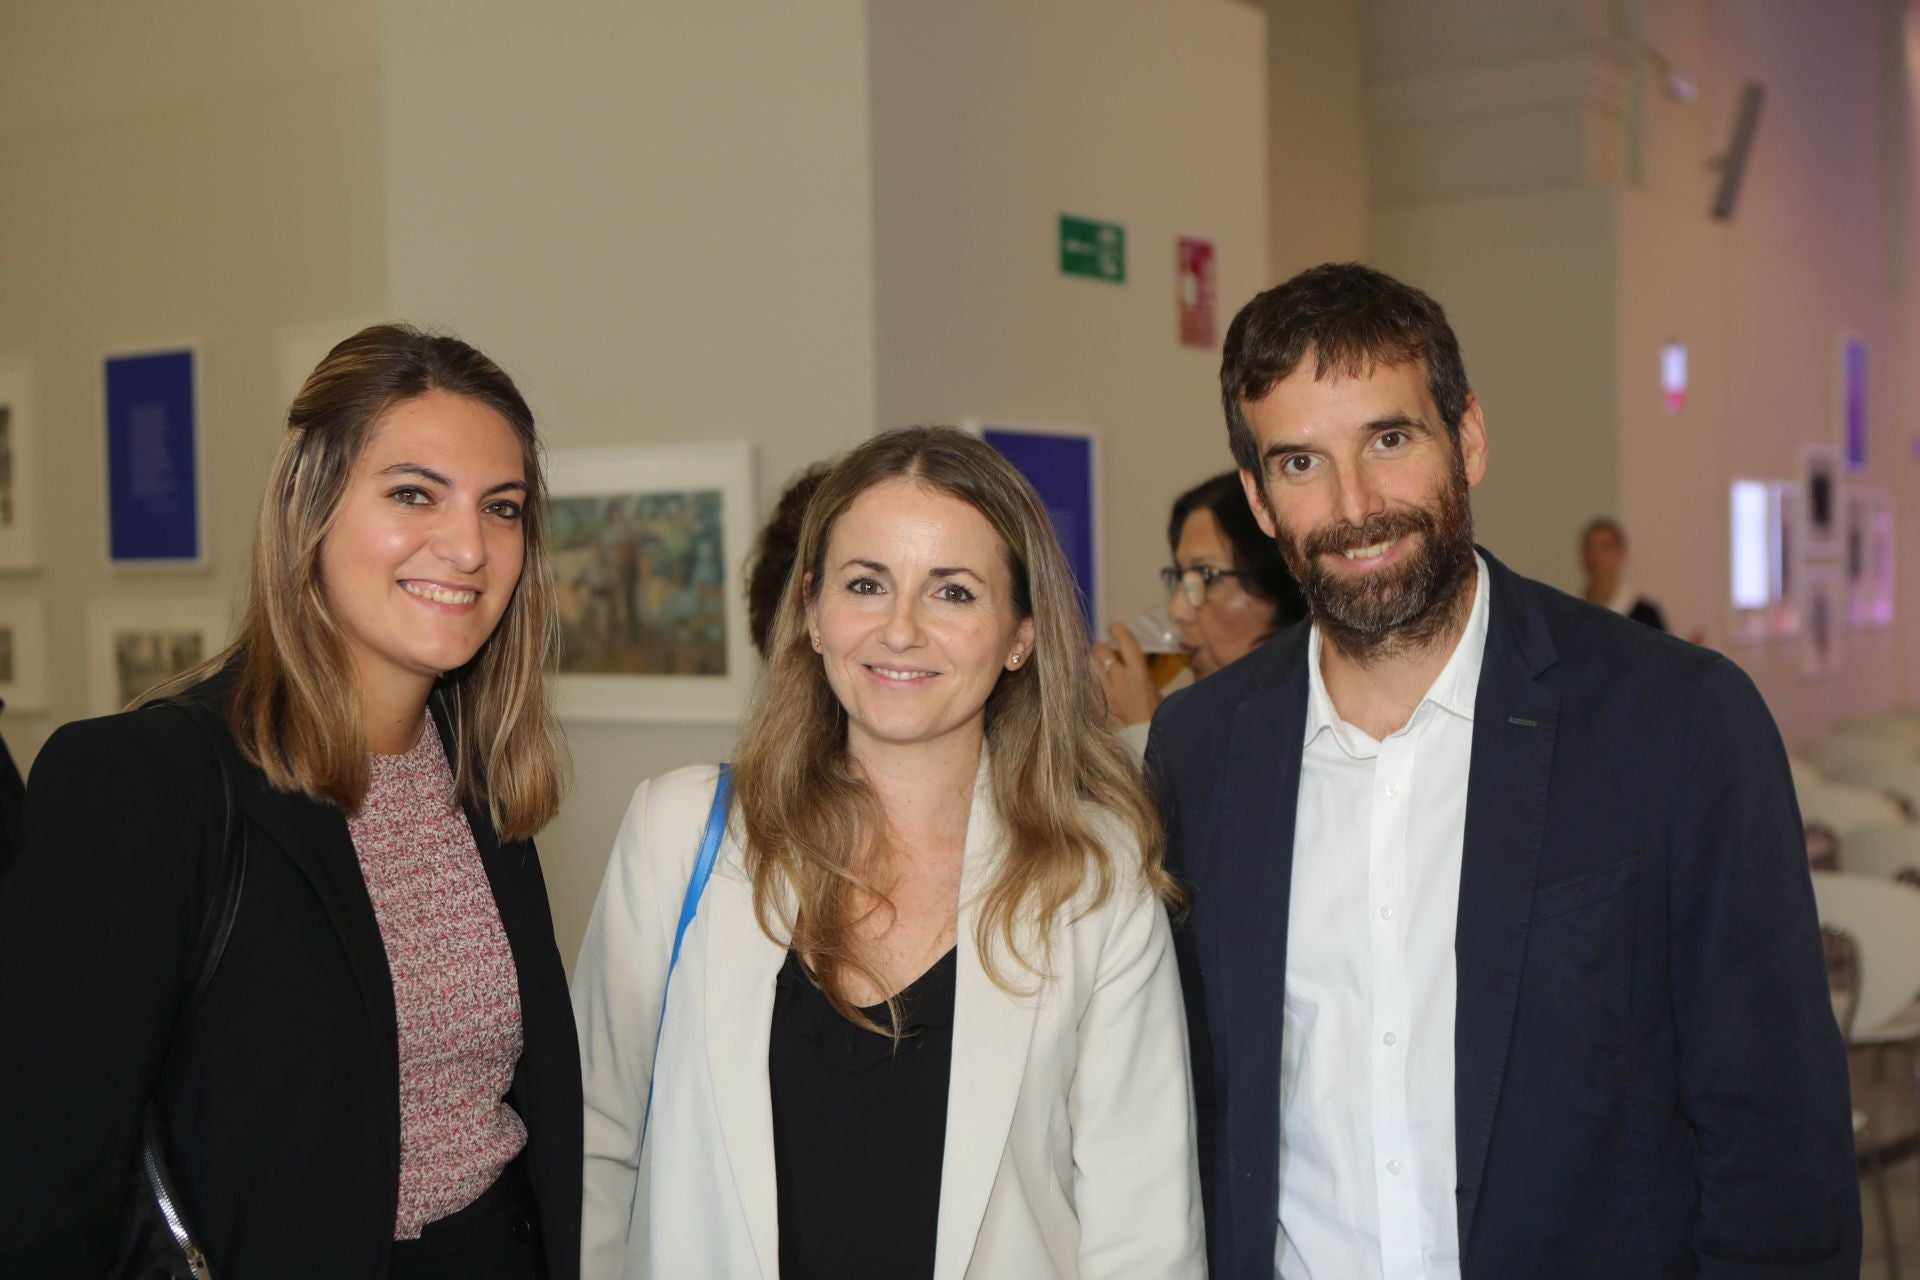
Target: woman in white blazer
926	1019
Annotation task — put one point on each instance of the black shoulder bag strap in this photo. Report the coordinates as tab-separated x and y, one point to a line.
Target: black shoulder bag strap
157	1242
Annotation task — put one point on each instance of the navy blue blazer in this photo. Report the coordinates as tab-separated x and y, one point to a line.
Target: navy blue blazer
1648	1078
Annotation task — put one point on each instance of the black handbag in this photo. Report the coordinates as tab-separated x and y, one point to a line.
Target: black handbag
156	1241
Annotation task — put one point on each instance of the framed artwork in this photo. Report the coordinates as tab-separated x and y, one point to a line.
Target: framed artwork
1789	533
1823	602
1755	543
1880	560
647	544
1063	466
1820	496
134	644
23	655
1850	394
150	406
1856	553
19	523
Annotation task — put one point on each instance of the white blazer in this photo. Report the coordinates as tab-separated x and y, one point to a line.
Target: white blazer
1070	1147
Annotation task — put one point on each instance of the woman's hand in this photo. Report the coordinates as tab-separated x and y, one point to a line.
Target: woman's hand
1122	668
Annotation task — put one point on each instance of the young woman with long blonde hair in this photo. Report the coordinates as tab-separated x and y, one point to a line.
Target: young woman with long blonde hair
926	1019
381	1077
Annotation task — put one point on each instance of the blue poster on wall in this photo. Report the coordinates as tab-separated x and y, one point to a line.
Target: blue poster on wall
1060	468
153	479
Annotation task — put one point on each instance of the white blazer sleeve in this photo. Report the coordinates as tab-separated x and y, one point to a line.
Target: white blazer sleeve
1135	1157
618	985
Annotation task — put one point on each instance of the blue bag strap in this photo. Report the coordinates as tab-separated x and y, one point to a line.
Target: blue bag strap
689	907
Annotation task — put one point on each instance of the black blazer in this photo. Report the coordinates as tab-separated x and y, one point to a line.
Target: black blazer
1648	1078
282	1090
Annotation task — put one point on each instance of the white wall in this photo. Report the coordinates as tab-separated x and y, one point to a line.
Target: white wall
659	219
205	171
992	118
1812	250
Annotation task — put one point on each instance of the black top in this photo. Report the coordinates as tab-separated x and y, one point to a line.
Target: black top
859	1130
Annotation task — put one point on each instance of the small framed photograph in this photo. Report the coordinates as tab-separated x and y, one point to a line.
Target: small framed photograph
1788	564
1850	397
23	655
1823	606
647	544
1880	566
135	644
150	404
19	519
1856	553
1820	497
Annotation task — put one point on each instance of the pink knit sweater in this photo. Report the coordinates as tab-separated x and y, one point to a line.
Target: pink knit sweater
455	990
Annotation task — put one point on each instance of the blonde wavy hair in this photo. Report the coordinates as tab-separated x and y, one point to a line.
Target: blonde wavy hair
294	704
810	820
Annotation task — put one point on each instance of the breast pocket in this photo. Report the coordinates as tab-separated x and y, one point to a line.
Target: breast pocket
1581	892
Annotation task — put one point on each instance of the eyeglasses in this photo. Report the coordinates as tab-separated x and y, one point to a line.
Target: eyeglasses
1194	583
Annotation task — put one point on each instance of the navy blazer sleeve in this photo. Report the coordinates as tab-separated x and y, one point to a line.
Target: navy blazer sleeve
1763	1071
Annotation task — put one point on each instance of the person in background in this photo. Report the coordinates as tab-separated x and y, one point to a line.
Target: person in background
773	553
382	1078
926	1019
1603	557
1228	589
1503	957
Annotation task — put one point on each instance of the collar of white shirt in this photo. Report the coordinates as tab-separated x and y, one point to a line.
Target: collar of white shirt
1453	690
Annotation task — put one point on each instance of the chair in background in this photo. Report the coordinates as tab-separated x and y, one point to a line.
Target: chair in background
1880	921
1843	978
1842	756
1883	853
1847	809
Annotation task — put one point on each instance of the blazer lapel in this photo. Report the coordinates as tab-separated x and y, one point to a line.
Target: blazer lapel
314	838
1514	718
741	965
991	1034
1250	884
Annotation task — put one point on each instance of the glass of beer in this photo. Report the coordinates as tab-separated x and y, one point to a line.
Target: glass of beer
1159	638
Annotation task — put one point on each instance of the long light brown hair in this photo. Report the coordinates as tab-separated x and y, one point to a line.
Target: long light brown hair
811	819
294	706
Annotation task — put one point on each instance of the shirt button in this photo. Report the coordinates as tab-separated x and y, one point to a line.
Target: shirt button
1389	1039
1393	1167
1393	788
1386	913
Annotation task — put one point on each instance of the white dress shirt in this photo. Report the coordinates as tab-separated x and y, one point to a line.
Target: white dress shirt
1366	1077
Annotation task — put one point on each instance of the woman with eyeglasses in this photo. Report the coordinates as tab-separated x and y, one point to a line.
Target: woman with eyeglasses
1229	590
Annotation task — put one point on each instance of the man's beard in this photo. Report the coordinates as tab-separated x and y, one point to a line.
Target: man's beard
1400	609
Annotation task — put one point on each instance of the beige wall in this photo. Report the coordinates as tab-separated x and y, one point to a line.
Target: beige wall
1814	249
1317	190
1527	280
990	119
217	194
659	218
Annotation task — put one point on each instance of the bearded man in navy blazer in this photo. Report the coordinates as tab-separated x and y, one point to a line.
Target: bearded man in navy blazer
1503	958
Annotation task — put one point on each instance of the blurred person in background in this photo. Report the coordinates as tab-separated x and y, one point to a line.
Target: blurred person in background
381	1078
1228	591
1603	558
774	550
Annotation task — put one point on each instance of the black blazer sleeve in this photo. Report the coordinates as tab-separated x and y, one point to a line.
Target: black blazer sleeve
1763	1071
97	925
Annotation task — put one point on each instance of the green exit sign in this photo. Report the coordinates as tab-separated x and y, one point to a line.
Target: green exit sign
1097	250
